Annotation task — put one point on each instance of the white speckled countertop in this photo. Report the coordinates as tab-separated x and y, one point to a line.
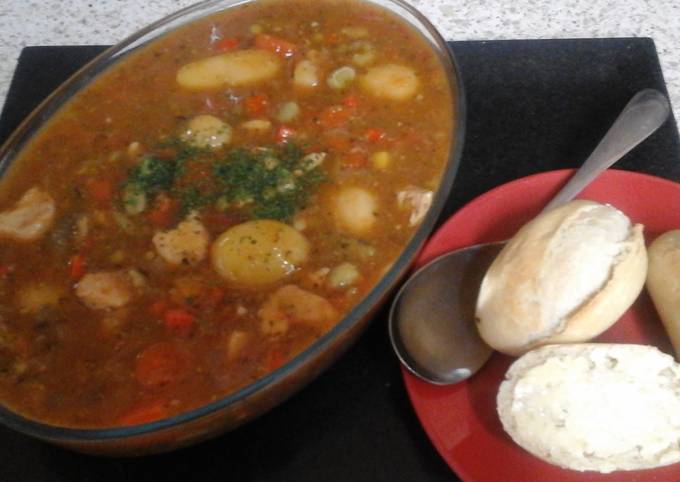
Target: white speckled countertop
79	22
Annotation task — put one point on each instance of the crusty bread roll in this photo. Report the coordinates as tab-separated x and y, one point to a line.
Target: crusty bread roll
601	407
566	276
663	282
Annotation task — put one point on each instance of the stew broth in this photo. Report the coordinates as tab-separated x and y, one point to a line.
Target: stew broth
211	205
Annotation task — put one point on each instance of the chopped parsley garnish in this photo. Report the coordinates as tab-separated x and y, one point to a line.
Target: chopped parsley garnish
153	175
269	183
192	198
272	183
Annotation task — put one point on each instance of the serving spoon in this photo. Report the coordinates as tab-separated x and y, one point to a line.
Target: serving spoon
432	318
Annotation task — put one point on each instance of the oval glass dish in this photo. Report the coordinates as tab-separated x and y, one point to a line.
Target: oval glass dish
252	399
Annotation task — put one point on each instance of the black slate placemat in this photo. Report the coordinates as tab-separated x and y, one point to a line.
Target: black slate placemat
532	106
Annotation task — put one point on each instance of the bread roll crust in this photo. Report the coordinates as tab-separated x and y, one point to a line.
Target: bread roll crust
509	307
594	407
663	282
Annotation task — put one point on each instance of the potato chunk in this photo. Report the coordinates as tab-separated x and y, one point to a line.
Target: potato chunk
259	252
187	243
30	218
207	131
105	290
290	304
343	275
391	81
232	69
355	210
306	75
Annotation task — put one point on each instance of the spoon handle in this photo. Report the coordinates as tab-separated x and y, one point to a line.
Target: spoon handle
644	114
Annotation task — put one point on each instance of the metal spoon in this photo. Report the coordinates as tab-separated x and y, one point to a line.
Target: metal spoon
431	322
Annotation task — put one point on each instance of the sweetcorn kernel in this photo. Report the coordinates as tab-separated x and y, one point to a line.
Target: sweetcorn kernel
381	159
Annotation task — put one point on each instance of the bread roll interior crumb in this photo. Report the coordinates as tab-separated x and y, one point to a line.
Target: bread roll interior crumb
594	407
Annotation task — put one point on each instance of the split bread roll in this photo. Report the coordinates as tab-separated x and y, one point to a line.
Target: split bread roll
565	277
663	282
600	407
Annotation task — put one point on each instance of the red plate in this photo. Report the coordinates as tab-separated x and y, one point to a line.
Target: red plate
461	420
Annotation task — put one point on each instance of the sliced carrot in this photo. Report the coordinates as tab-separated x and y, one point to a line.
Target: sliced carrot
333	39
100	190
227	44
335	116
144	414
256	105
163	211
77	267
162	364
275	44
374	135
350	101
284	134
179	320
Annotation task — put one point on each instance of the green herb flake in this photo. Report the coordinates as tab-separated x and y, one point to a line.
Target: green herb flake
153	175
192	198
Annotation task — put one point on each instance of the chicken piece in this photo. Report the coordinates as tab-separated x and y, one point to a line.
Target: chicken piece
30	218
290	304
416	199
105	290
187	243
